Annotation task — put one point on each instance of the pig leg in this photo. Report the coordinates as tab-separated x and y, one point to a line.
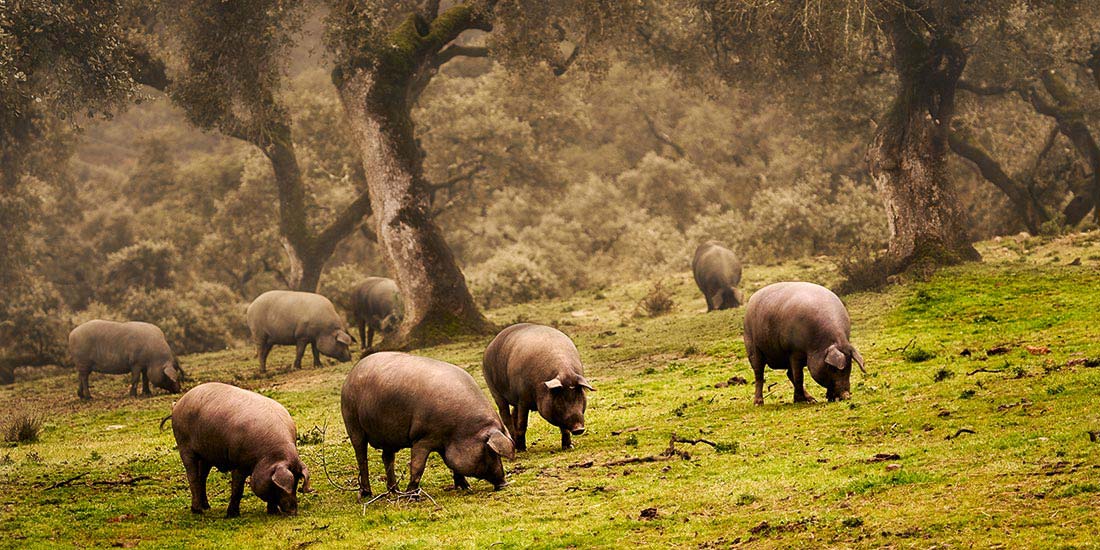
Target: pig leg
196	481
363	333
316	355
298	353
236	491
264	349
461	483
388	458
145	383
359	444
82	390
417	463
135	376
521	427
795	374
757	362
566	440
505	414
204	473
370	338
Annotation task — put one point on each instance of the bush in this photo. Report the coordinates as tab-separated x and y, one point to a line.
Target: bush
657	302
206	317
512	275
35	322
147	265
22	427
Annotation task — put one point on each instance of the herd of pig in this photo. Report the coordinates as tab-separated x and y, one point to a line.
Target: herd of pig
392	401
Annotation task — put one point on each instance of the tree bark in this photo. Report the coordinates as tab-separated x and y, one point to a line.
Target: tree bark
378	91
1069	115
1027	207
908	157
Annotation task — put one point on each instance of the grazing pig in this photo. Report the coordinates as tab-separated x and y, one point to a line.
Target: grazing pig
792	325
376	305
119	348
536	367
221	426
285	317
394	401
717	273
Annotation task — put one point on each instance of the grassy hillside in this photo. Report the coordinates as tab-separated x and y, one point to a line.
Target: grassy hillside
989	429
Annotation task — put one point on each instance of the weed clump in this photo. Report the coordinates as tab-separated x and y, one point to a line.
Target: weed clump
22	427
657	302
745	499
942	374
917	354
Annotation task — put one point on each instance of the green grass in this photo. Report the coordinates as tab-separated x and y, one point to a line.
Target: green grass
1010	464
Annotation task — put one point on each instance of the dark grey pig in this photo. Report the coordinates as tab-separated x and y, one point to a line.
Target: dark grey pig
536	367
394	401
119	348
717	273
376	305
789	326
221	426
285	317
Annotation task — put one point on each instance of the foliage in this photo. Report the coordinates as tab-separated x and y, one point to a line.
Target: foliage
658	301
206	317
22	427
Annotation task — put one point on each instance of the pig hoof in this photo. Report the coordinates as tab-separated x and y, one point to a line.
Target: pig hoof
758	401
567	447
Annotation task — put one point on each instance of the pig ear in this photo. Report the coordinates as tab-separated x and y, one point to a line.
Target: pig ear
306	487
583	382
501	444
739	296
283	479
344	338
836	358
172	372
553	383
859	360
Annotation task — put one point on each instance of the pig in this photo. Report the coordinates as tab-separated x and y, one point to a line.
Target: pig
536	367
234	430
394	401
119	348
791	325
285	317
717	273
376	305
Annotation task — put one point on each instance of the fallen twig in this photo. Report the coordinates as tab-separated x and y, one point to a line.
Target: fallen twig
976	371
398	496
66	482
676	439
903	348
628	430
324	463
960	432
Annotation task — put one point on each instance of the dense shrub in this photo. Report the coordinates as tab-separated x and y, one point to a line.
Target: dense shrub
514	274
205	317
34	323
146	265
22	427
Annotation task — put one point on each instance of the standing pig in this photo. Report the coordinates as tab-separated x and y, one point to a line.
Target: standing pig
376	305
717	273
221	426
394	401
792	325
119	348
536	367
285	317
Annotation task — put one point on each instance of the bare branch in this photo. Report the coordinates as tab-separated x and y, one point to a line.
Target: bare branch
458	50
984	89
661	136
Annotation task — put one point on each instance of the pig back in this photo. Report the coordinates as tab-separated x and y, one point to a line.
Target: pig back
715	266
396	399
374	298
111	347
233	428
795	316
525	355
284	316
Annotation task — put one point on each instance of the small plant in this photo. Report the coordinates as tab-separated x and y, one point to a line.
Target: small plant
1056	390
657	302
722	447
313	436
852	522
631	441
744	499
691	350
649	370
917	354
23	427
967	394
943	374
679	410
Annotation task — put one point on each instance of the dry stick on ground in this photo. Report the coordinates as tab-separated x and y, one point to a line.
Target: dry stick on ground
397	496
66	482
905	347
973	372
324	463
670	453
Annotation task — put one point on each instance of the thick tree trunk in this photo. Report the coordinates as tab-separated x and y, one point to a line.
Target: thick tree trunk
908	157
1023	201
438	304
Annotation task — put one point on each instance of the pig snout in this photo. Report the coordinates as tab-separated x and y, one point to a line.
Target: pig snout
577	430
